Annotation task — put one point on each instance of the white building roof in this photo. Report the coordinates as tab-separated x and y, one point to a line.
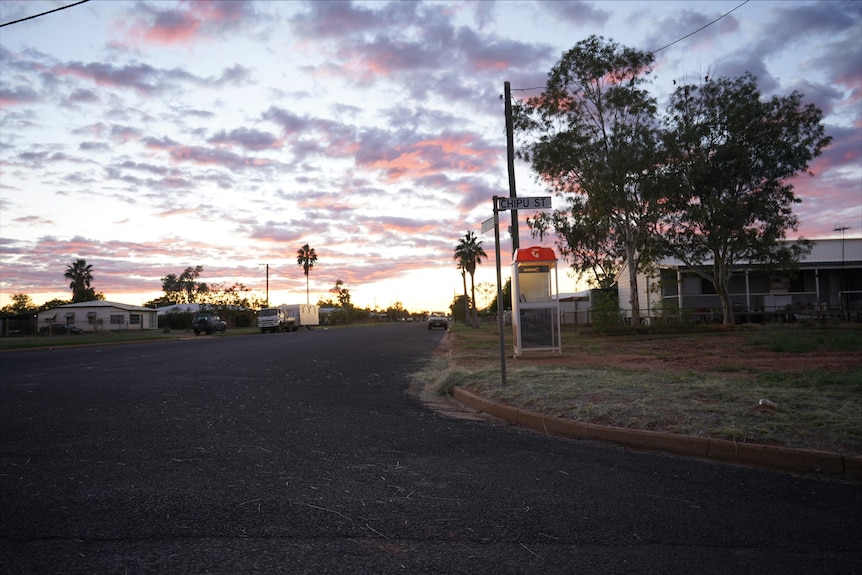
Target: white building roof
103	304
827	251
179	308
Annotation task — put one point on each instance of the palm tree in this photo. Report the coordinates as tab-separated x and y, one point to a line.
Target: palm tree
306	257
469	254
80	275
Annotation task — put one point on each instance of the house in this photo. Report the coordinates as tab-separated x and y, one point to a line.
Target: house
577	308
91	316
827	283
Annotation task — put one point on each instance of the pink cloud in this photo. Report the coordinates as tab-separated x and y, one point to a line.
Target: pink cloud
189	22
458	153
18	96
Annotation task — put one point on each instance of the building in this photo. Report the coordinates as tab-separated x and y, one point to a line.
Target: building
826	284
577	308
92	316
179	308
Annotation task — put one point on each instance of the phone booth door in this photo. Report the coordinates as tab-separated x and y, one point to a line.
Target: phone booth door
535	302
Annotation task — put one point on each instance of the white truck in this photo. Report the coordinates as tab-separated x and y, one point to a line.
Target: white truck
272	319
288	318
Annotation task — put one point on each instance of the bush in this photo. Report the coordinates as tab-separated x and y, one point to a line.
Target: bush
606	312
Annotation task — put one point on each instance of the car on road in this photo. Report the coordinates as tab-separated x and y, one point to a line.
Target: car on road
438	319
60	329
208	323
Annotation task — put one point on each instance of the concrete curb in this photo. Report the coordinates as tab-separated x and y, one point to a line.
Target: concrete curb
768	456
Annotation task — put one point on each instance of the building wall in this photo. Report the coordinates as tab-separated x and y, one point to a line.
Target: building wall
91	319
812	290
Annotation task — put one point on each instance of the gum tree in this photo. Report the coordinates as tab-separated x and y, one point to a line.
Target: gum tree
732	155
592	138
184	288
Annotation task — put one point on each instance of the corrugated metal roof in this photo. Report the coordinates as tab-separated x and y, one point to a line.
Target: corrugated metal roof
822	252
103	304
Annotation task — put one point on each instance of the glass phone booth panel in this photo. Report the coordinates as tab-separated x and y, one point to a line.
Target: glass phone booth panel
535	305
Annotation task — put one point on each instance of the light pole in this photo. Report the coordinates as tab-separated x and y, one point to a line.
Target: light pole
844	311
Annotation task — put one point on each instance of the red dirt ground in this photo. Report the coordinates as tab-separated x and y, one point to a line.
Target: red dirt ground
727	352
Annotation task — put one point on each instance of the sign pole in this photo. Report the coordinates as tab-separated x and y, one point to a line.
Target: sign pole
501	323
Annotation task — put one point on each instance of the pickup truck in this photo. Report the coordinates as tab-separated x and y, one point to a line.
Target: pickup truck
438	319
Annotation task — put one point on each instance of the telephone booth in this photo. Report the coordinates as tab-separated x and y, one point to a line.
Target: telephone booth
535	305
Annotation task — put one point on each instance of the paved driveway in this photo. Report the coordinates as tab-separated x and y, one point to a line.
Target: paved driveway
304	453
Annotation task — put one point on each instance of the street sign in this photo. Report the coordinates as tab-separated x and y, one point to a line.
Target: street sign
537	203
488	225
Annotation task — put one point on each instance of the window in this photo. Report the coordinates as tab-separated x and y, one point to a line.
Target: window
91	317
117	319
706	286
134	319
70	318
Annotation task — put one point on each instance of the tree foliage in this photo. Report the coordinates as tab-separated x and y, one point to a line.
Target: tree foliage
707	183
342	294
592	138
21	303
507	297
184	288
730	156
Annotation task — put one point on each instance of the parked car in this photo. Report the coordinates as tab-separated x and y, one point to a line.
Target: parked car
60	329
438	319
208	323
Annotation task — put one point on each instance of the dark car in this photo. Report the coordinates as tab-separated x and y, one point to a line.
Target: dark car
60	329
207	323
438	319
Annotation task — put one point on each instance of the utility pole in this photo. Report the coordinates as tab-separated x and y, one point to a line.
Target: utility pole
267	283
845	313
510	156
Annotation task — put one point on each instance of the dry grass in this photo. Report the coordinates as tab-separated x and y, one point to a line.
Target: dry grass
815	408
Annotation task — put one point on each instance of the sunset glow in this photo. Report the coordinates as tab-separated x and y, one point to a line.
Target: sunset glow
149	136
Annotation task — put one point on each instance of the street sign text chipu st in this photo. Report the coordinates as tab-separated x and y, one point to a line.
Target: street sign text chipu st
537	203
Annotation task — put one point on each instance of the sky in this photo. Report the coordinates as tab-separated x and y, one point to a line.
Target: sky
146	137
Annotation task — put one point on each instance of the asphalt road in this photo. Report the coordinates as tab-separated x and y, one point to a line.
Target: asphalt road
305	453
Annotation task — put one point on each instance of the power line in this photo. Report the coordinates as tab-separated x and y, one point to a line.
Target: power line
42	14
701	28
666	46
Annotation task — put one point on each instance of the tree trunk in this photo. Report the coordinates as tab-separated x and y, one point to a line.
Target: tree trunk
466	298
473	297
634	299
721	283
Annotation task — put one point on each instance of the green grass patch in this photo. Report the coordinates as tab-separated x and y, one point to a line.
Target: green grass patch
106	338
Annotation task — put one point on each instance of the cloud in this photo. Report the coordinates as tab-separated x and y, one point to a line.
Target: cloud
18	95
581	14
245	138
188	23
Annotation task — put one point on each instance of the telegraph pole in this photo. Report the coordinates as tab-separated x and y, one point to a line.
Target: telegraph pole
267	283
845	313
510	155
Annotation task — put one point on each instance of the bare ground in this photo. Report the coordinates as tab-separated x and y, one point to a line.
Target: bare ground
727	352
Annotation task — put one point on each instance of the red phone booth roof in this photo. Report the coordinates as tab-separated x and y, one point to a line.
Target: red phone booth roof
535	254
